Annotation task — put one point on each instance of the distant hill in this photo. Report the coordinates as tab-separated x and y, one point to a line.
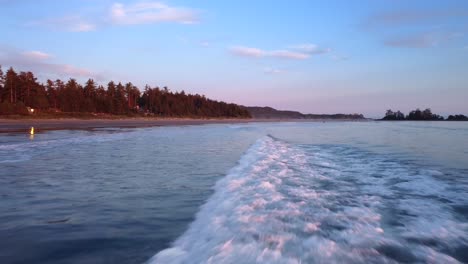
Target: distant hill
269	112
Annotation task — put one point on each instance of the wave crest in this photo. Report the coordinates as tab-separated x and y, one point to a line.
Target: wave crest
285	204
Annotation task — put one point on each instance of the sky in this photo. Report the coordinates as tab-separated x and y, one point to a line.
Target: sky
316	56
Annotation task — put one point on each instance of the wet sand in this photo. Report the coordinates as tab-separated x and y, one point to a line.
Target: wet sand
23	125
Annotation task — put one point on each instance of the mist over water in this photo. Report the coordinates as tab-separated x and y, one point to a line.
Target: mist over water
247	193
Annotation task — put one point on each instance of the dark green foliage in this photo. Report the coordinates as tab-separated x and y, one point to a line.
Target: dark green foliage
415	115
163	102
423	115
2	82
457	118
8	108
390	115
19	91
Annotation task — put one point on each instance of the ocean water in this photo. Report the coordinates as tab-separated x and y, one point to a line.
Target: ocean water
333	192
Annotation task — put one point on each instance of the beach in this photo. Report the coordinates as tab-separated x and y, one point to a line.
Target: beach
23	125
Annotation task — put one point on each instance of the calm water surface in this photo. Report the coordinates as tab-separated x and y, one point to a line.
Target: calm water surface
355	192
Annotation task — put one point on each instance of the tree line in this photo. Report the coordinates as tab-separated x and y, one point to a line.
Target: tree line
421	115
20	91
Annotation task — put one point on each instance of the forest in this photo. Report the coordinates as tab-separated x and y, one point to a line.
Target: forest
418	115
22	94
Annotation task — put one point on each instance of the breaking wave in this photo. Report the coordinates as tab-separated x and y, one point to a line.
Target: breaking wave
287	203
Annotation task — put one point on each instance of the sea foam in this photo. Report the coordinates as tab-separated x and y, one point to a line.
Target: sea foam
287	204
282	204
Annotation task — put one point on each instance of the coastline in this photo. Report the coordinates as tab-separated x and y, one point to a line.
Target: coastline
24	125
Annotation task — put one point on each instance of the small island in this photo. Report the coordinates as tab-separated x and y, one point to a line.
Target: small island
457	118
418	115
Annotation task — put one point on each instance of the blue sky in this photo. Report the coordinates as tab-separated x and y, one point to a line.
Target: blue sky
311	56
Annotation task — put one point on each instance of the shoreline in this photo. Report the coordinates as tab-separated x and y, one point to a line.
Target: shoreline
24	125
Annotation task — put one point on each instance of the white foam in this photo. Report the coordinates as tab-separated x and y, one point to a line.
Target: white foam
257	217
273	208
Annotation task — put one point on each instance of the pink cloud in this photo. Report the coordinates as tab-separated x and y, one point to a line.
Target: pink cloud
67	23
151	12
259	53
311	48
41	62
247	52
36	55
413	16
422	40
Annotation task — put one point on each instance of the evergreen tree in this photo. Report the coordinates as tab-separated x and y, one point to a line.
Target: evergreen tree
51	94
2	83
73	96
11	81
111	91
89	92
120	100
61	100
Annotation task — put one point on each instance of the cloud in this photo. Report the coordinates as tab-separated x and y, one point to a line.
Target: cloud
67	23
151	12
310	49
339	58
247	52
259	53
205	44
36	55
82	27
286	54
294	52
42	63
422	40
269	70
413	17
419	28
416	41
73	71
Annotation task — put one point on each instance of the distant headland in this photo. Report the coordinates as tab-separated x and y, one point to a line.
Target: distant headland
268	112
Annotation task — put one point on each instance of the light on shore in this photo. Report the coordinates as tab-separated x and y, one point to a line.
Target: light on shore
31	133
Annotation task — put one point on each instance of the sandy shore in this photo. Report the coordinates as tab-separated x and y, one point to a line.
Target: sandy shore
23	125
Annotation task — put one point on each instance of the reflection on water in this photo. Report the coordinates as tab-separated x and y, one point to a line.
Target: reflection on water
31	133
